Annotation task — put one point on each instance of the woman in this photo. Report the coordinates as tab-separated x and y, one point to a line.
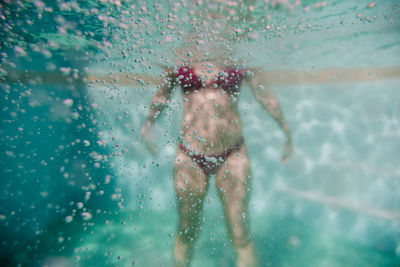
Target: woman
211	143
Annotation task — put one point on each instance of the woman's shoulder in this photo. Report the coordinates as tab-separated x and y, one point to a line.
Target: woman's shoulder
250	72
169	71
245	72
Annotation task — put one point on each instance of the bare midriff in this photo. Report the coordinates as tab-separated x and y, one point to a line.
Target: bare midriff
211	121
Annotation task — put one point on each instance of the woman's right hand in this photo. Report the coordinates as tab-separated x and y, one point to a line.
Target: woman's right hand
287	150
147	138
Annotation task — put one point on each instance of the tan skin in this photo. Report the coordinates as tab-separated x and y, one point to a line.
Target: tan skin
210	124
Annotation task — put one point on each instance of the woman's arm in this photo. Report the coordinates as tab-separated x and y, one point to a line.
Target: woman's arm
162	97
265	96
158	104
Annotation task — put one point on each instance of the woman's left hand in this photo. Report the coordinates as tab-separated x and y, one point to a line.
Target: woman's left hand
147	138
287	150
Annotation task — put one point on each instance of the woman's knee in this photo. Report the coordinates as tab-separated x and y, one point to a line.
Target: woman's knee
238	225
240	238
189	233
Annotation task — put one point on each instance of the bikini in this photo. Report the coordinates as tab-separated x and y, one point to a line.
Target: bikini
211	164
228	80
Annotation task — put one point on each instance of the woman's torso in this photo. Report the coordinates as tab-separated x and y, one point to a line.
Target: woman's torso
211	121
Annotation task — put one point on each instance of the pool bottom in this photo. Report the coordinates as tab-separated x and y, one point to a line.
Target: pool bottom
136	238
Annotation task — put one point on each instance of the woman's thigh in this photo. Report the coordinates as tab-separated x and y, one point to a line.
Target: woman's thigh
233	179
233	185
190	182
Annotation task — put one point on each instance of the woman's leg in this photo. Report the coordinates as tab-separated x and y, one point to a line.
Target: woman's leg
233	184
191	185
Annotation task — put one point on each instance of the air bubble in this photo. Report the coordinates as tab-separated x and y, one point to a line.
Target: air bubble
68	102
69	219
86	216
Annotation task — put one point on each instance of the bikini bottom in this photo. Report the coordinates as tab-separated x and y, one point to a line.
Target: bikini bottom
211	164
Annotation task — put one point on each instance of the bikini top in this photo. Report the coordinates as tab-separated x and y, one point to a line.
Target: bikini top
229	80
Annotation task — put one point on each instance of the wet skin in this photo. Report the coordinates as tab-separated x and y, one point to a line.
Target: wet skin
210	124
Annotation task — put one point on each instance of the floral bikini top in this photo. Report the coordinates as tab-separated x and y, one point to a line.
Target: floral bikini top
229	80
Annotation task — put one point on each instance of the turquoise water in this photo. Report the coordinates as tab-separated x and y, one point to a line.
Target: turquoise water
79	188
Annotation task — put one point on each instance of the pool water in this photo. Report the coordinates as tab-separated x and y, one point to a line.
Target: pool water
79	188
